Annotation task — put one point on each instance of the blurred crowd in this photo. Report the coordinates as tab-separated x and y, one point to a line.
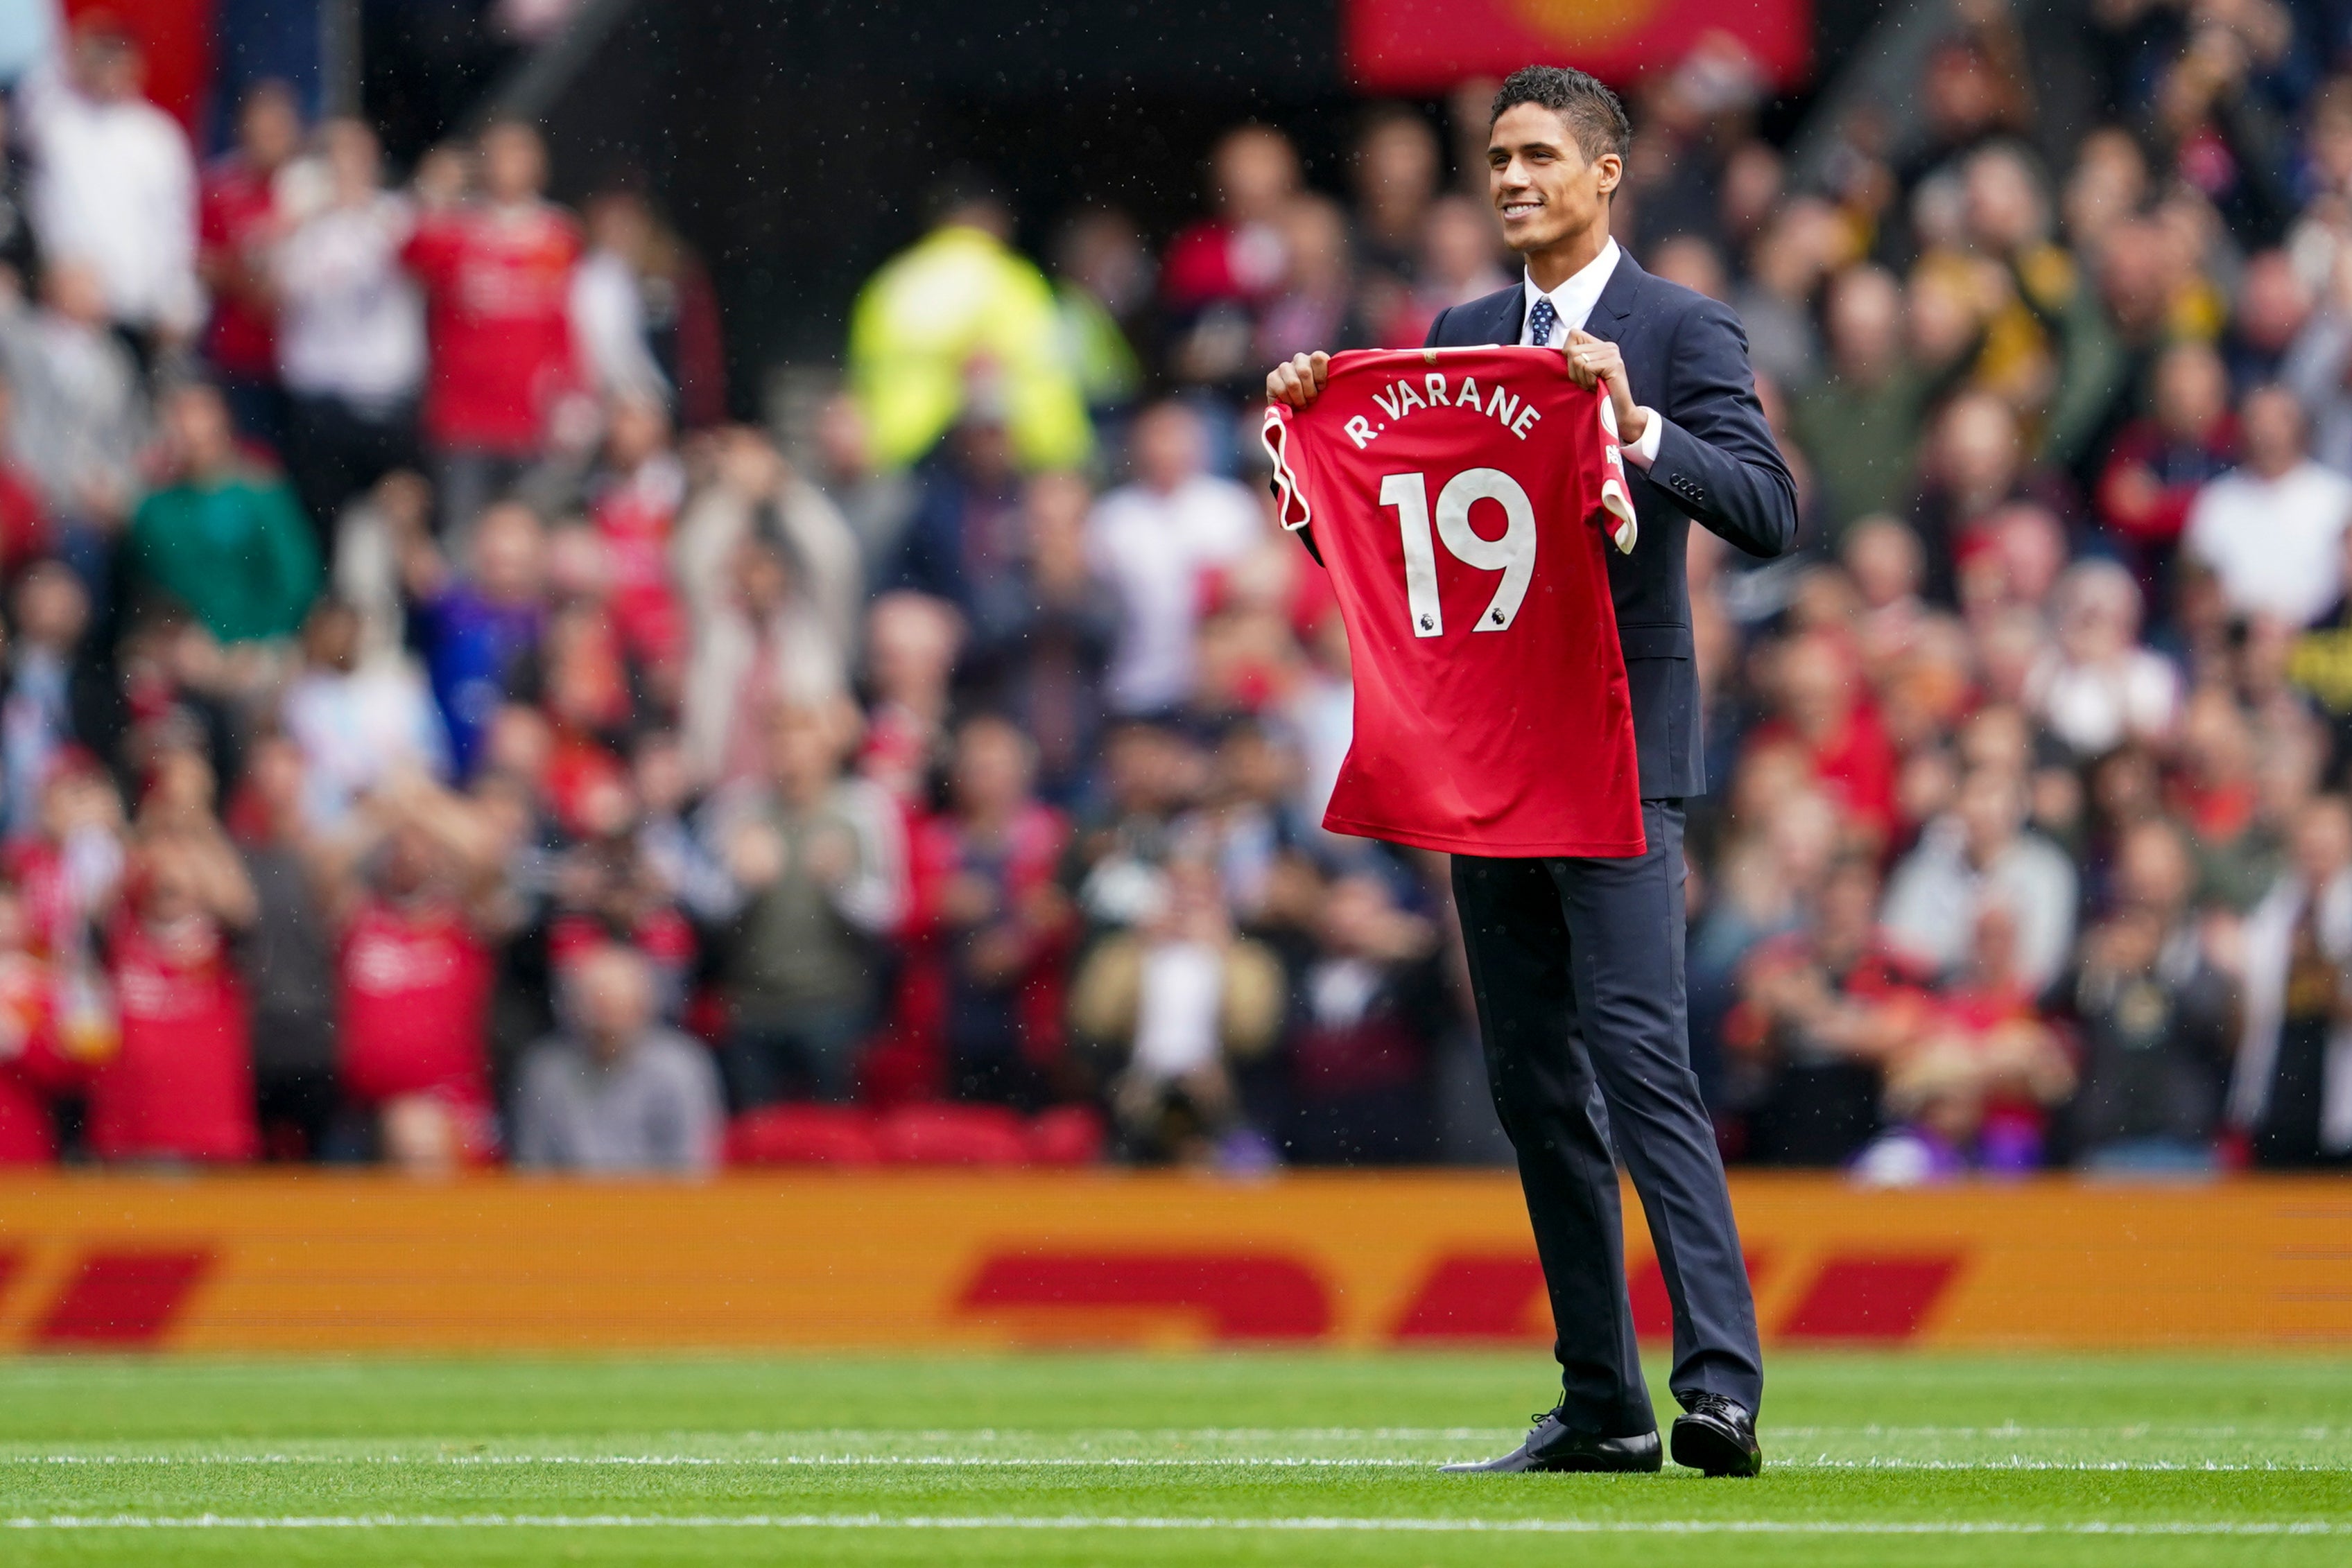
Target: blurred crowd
431	734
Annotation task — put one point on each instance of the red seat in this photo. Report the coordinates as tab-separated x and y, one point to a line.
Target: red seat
952	1135
1066	1136
803	1136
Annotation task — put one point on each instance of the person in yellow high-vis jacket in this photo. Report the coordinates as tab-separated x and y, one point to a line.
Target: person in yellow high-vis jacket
958	317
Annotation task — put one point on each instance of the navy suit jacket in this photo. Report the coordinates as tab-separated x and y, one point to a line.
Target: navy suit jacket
1687	360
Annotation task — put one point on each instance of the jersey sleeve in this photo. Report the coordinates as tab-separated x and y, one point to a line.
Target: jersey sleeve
1616	496
1275	433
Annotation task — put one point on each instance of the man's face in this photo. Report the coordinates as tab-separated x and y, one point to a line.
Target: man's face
2323	843
1167	447
514	162
1256	172
992	766
108	67
1866	322
199	424
270	126
1542	185
509	554
351	157
52	607
800	749
2273	423
614	1000
1991	807
2192	390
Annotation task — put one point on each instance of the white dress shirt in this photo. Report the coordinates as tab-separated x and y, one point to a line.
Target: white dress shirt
1574	299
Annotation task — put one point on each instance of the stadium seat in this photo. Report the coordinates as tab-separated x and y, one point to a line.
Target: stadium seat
803	1136
952	1135
1066	1136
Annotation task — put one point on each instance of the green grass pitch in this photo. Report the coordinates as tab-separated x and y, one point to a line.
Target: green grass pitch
1916	1460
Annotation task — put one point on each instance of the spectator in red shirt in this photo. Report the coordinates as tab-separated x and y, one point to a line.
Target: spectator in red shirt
989	931
237	223
1830	716
585	685
415	975
32	1067
1821	1012
634	505
1221	270
1972	1089
496	274
180	1086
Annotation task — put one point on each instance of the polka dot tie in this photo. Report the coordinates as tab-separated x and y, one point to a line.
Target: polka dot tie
1541	320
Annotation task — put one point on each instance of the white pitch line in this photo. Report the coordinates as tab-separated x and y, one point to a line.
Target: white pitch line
1080	1461
713	1461
2004	1431
1086	1522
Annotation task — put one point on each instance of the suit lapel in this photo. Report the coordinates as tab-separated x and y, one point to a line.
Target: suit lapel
1617	296
1506	316
1511	320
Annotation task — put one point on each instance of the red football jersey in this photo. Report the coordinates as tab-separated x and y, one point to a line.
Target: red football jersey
498	314
1460	498
416	1006
181	1085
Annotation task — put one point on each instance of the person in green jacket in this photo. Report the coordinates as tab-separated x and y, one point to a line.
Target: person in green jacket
228	542
957	314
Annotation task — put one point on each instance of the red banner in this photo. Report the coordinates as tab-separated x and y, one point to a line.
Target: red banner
1428	45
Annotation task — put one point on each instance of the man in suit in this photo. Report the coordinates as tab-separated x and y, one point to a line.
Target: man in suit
1577	963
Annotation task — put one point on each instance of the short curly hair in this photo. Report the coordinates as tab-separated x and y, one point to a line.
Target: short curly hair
1592	113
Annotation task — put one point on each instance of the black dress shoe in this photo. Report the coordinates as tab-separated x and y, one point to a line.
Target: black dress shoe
1553	1446
1716	1436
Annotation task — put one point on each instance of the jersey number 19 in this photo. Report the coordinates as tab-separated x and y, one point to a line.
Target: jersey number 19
1512	553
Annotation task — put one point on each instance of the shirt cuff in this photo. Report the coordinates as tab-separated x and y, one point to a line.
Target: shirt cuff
1645	451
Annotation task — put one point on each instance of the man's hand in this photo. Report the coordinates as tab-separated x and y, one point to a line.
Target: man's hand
755	856
1591	363
1297	383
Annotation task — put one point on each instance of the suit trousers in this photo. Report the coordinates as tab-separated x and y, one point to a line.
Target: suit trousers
1577	964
